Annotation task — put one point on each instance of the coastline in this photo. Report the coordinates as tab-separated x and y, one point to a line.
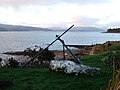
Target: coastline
78	50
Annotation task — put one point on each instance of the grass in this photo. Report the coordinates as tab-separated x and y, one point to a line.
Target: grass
45	79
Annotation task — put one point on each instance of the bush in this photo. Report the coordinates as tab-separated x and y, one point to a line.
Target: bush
12	62
29	52
114	47
113	57
46	55
98	49
114	83
0	59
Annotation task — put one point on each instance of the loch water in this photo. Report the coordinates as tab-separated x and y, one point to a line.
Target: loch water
20	40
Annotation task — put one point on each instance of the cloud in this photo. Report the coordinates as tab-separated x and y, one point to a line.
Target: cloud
113	25
66	12
18	3
85	21
86	1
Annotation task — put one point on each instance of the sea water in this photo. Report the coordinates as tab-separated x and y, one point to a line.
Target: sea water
20	40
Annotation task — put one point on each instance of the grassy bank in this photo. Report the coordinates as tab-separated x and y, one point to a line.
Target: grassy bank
45	79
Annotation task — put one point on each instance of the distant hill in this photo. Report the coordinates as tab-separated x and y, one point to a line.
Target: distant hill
87	29
5	27
81	29
114	30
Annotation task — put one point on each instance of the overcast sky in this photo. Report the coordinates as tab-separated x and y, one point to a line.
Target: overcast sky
61	13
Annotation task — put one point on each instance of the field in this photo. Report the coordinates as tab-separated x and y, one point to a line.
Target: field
45	79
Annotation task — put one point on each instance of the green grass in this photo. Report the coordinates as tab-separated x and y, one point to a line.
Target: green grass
45	79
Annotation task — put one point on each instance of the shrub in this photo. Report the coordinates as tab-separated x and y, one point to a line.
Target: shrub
29	52
98	49
114	47
0	59
12	62
114	83
112	57
46	55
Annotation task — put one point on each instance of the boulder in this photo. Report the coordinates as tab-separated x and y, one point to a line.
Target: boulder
98	49
3	63
70	67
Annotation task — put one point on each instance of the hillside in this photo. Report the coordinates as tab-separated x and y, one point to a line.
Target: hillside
5	27
81	29
87	29
114	30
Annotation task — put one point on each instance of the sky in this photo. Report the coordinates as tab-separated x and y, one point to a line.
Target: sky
61	13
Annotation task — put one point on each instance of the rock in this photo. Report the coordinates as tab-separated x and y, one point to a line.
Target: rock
98	49
3	63
70	67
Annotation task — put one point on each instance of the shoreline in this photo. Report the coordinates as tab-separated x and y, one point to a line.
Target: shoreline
58	55
75	48
79	50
